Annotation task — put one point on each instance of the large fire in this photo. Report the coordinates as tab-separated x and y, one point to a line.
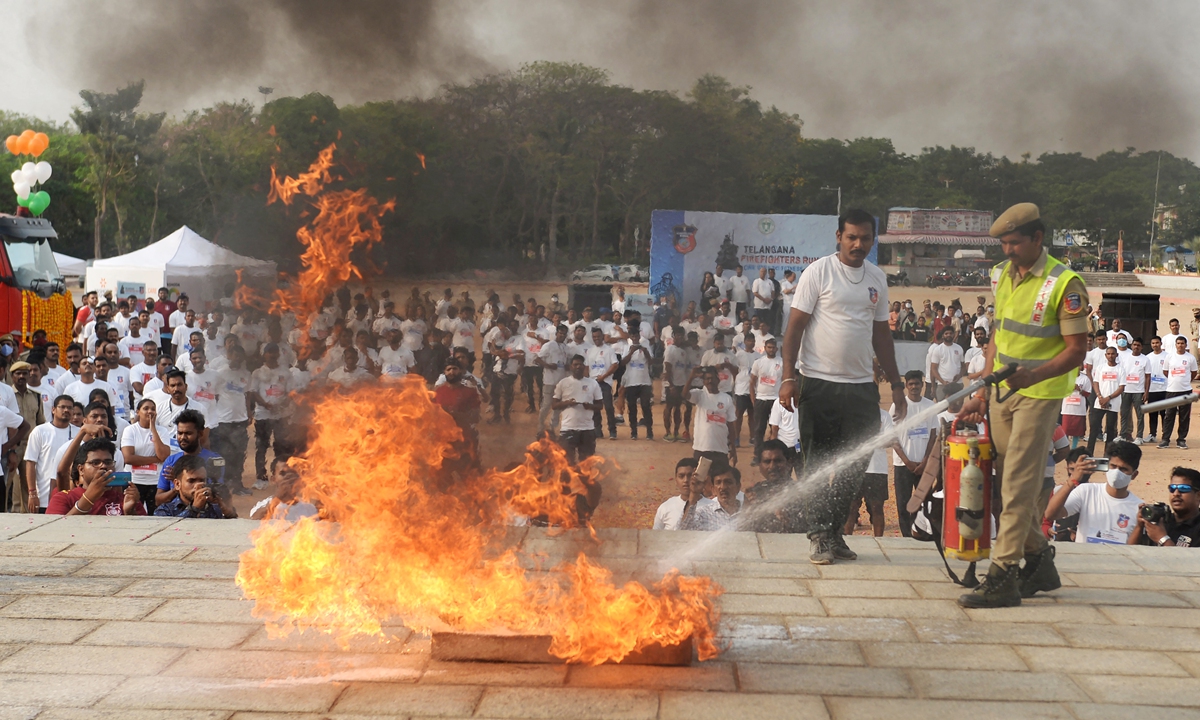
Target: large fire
409	536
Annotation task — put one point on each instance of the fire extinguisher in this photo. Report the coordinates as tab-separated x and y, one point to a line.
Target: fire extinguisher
967	482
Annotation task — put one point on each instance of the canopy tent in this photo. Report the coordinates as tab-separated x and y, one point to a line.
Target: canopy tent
70	266
183	262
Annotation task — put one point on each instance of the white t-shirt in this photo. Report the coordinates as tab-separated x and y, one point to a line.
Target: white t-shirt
272	386
179	317
768	372
347	378
879	464
916	440
706	336
1137	367
203	386
119	378
599	359
766	288
1076	402
132	346
231	388
787	289
1102	517
712	358
142	441
80	391
414	334
395	364
1107	379
1158	372
584	390
677	357
949	361
168	411
1112	336
724	323
43	444
788	423
745	360
844	303
739	289
637	370
1179	370
1168	342
555	355
515	346
714	412
464	334
670	513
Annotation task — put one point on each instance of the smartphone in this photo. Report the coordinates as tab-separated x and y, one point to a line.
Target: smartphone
121	479
1101	464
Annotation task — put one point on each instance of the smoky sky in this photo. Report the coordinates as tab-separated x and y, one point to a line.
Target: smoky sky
1006	77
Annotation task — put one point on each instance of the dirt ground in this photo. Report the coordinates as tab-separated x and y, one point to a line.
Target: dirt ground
641	476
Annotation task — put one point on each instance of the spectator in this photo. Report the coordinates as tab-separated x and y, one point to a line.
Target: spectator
912	451
190	435
192	496
553	358
945	363
269	387
1063	529
1107	513
143	450
577	397
231	435
771	513
44	443
285	504
1179	522
1109	381
350	374
461	400
764	376
874	490
91	472
82	388
715	416
602	364
669	515
178	402
722	514
638	385
675	379
1181	373
97	425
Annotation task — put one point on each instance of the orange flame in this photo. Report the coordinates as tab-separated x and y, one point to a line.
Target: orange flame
421	157
410	541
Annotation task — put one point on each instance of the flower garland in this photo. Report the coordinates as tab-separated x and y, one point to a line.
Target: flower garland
55	315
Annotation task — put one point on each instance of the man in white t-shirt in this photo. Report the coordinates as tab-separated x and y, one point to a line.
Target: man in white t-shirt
764	376
1158	382
1168	340
578	397
676	370
1108	379
975	358
269	387
1108	512
713	435
553	358
637	383
787	291
945	362
82	388
43	444
911	453
1116	333
838	329
602	364
231	434
763	291
1137	387
725	322
875	485
395	360
739	291
1180	367
670	514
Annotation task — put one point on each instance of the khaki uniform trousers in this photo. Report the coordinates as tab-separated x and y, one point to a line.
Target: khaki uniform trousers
1022	429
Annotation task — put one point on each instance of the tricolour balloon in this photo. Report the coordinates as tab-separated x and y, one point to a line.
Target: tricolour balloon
38	202
43	170
21	189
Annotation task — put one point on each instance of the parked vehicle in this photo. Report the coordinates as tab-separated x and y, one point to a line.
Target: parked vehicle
1108	261
974	278
633	273
594	273
941	278
27	264
900	278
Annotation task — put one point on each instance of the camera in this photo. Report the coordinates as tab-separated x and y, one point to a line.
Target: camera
1155	513
1101	463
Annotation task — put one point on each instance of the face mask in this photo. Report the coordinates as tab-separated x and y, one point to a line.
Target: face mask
1118	479
6	350
1121	343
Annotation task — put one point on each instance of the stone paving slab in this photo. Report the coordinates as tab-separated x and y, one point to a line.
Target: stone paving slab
139	619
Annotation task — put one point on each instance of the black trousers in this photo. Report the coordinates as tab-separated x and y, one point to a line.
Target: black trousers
230	441
606	391
762	415
579	444
636	395
1183	412
502	395
1154	416
905	482
1096	416
266	434
531	377
834	418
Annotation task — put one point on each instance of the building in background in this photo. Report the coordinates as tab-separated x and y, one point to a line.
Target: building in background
926	242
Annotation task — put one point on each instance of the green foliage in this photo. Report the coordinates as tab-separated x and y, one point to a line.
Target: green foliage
486	172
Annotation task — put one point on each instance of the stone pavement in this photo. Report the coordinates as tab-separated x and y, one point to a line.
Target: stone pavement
139	618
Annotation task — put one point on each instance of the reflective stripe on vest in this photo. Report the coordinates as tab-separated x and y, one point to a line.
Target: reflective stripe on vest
1028	331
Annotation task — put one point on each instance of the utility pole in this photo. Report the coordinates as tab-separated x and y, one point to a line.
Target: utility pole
1154	208
839	192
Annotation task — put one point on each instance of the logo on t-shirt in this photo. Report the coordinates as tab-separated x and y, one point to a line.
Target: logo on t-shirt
1122	521
874	295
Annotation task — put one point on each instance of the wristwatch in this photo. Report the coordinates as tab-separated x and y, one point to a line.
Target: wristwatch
1163	540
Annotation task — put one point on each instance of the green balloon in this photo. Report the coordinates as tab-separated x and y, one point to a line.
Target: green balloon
38	202
24	202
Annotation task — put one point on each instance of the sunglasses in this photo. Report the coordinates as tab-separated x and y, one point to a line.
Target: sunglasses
1180	488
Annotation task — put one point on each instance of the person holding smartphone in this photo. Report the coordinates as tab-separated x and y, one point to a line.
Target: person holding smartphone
98	488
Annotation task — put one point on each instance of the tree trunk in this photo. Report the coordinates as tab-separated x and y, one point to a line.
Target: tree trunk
122	246
154	216
595	242
552	250
101	207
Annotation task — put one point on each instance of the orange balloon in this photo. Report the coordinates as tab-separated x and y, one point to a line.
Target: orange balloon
11	143
23	142
38	145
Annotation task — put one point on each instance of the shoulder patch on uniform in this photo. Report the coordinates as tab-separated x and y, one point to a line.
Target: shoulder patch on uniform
1073	302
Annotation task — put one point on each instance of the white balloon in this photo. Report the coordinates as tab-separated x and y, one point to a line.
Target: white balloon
17	176
22	190
43	170
29	176
29	168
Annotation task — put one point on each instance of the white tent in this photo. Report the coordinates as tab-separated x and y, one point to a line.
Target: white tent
182	261
70	266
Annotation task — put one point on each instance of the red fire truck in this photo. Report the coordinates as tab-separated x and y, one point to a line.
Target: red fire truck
33	294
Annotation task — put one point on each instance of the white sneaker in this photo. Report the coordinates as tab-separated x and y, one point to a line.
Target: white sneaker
1137	441
260	484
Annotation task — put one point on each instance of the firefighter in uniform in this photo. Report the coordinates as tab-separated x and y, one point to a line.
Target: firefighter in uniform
1041	325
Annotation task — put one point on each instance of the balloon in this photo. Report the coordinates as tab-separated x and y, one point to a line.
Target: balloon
43	171
23	202
11	143
38	145
38	202
21	189
29	171
17	176
23	141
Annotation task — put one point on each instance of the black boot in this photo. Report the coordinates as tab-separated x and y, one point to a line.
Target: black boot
1039	573
1001	588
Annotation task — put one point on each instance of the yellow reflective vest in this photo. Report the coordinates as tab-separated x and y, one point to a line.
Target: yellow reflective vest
1027	330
